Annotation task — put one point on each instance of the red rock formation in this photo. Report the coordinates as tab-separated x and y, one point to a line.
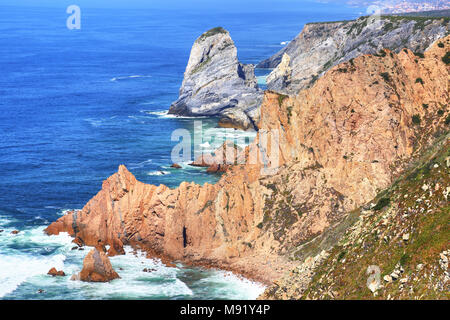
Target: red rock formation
97	268
226	155
341	142
53	272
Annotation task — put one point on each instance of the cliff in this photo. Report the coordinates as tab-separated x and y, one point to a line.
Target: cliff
321	46
340	142
215	83
395	247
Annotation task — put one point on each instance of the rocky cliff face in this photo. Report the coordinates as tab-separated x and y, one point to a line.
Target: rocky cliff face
321	46
340	143
216	83
397	247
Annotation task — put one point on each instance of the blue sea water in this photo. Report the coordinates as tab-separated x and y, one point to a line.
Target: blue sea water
74	104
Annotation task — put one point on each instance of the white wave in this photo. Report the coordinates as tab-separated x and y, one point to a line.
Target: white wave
17	269
63	212
95	122
139	164
16	266
164	114
283	43
134	283
157	173
215	137
261	80
230	286
129	77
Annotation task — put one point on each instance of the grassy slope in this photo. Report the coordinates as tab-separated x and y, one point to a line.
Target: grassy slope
377	239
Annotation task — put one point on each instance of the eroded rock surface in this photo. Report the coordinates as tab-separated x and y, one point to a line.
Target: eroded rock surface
216	84
340	143
321	46
97	268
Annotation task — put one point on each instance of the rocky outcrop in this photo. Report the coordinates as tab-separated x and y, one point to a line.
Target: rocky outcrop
97	268
54	273
396	247
340	143
321	46
216	84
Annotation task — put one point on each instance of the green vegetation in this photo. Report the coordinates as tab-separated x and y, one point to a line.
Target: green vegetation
446	58
201	65
440	45
388	27
211	32
436	14
419	80
281	98
379	240
447	120
425	105
383	202
416	119
289	113
381	53
385	76
419	54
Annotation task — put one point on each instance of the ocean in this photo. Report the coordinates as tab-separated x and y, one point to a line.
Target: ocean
75	104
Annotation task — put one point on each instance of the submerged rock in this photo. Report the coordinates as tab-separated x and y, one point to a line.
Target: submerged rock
216	84
97	268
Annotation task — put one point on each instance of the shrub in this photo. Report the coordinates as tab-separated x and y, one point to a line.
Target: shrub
385	76
440	112
440	45
419	80
419	54
381	53
447	120
416	119
446	58
425	105
383	202
341	255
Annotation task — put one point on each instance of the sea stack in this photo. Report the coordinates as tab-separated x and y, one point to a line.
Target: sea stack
97	268
216	84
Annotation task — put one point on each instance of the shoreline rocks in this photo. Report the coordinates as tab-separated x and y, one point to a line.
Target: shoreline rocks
340	142
55	273
96	268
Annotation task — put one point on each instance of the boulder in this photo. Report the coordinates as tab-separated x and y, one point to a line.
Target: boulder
53	272
97	268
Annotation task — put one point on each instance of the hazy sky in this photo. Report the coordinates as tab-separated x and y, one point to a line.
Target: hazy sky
173	4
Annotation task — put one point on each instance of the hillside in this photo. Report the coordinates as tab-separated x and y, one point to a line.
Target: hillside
320	46
404	231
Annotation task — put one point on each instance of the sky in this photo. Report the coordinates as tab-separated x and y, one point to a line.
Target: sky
243	5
